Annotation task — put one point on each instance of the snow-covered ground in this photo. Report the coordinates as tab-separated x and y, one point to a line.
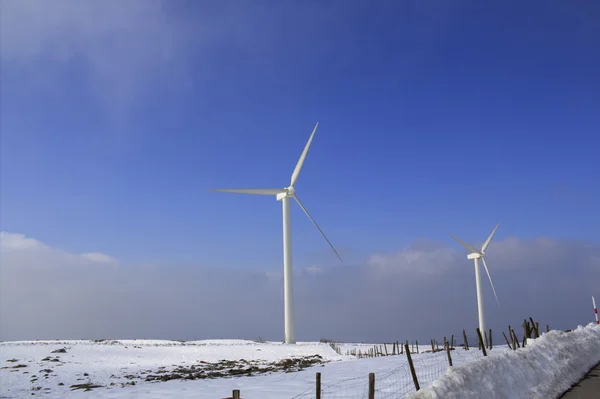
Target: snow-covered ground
40	366
141	368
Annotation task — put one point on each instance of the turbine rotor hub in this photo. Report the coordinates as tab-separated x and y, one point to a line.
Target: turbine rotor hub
290	191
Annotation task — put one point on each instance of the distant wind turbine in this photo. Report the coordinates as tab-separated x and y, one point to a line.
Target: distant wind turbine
284	195
476	254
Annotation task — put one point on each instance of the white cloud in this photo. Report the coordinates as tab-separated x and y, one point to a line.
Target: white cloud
424	257
17	248
126	49
101	258
131	50
429	258
44	289
12	241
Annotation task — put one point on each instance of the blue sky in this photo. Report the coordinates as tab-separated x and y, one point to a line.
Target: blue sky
434	118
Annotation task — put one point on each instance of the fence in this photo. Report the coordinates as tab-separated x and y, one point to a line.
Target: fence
412	373
397	383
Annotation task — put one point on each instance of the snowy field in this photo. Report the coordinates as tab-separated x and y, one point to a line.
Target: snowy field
122	368
212	369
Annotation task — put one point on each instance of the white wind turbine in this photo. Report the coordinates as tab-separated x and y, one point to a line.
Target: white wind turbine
476	255
284	195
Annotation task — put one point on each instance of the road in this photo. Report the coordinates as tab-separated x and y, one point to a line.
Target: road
587	388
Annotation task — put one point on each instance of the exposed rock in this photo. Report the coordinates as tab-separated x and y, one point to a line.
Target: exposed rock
18	366
232	368
85	387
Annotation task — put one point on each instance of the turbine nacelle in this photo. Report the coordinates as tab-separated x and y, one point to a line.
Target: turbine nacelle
474	256
288	192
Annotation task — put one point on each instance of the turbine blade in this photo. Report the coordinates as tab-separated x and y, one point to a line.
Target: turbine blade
487	242
256	191
490	277
317	226
302	157
464	244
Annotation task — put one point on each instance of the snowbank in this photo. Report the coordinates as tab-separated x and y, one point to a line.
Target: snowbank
545	368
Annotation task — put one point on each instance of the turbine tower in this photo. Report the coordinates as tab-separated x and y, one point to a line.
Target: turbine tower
284	195
476	254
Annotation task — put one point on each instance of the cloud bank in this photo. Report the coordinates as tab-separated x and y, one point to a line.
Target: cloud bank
419	292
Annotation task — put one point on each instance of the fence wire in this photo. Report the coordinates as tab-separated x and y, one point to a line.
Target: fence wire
397	383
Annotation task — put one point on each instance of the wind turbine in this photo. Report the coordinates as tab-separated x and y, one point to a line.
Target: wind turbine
476	254
284	195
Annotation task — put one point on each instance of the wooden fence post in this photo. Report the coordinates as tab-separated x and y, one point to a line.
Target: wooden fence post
318	396
236	394
412	368
465	339
481	343
547	328
371	385
449	357
513	336
506	339
490	339
516	338
535	327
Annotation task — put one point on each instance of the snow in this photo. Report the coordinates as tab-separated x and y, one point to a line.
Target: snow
119	359
545	368
548	365
113	361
